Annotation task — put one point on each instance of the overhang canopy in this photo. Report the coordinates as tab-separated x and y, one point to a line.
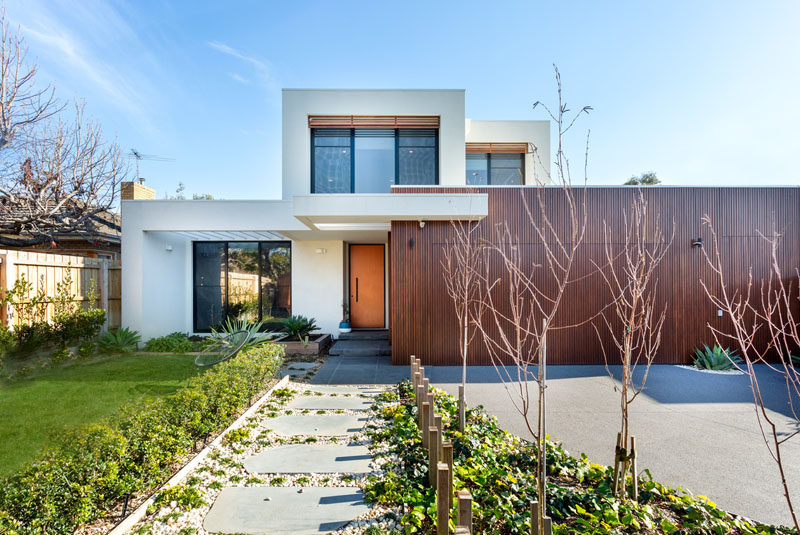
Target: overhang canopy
351	209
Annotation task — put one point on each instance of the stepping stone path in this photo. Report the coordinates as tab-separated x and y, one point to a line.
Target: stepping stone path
296	467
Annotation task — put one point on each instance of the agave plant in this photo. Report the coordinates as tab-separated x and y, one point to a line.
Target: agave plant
254	335
715	358
121	340
299	327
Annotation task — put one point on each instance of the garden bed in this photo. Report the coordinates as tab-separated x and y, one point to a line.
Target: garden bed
317	344
499	469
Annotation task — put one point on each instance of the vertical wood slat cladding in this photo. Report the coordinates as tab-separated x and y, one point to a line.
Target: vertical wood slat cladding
423	322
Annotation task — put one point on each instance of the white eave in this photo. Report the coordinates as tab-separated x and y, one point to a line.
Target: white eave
381	209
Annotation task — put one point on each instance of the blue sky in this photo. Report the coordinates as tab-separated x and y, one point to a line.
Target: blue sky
699	92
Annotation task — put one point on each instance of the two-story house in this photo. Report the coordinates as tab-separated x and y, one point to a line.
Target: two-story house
347	156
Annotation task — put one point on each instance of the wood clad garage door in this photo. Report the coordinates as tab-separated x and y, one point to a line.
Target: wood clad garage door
367	286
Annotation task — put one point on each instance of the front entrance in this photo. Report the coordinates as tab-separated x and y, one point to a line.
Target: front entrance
367	286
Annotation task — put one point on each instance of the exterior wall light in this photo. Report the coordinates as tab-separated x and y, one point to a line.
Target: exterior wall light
321	251
168	248
697	243
422	224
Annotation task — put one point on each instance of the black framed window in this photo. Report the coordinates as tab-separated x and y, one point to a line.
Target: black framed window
372	160
498	169
241	280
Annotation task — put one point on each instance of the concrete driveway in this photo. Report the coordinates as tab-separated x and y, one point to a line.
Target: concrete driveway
694	429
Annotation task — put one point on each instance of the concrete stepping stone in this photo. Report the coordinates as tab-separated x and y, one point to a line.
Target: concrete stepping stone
317	424
302	366
337	389
291	373
284	511
331	403
311	458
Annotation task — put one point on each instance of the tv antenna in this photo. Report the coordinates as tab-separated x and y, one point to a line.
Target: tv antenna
138	156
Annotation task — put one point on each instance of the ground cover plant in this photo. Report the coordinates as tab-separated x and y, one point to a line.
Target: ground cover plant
86	392
90	469
171	343
499	469
716	358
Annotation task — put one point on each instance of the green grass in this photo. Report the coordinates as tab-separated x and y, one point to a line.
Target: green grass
33	410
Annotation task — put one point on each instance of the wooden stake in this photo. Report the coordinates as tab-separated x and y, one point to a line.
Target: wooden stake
433	455
426	386
447	458
465	510
418	398
548	524
462	409
442	501
617	461
634	471
426	418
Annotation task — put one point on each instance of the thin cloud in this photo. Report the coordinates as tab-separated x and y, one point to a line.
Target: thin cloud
239	78
263	68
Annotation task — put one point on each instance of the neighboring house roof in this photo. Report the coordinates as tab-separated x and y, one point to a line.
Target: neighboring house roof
107	225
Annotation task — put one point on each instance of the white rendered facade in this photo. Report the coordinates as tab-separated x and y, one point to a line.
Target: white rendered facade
159	235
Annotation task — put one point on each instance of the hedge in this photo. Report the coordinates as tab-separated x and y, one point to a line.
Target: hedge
90	469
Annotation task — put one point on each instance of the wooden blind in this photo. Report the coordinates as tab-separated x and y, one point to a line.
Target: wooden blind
507	148
373	121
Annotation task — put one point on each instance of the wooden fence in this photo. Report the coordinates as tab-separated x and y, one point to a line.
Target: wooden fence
46	270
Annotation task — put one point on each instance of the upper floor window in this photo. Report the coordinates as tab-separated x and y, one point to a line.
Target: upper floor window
496	164
371	160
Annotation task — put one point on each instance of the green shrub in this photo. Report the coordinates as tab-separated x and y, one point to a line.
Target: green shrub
77	326
299	327
171	343
715	358
90	469
121	340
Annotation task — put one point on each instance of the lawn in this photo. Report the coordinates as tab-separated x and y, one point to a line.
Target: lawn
34	410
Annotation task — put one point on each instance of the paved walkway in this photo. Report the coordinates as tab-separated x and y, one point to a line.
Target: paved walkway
307	509
694	429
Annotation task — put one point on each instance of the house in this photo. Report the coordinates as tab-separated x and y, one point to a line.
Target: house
370	181
325	243
102	241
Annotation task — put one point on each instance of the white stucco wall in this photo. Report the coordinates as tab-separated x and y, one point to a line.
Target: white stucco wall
298	104
318	282
166	285
534	132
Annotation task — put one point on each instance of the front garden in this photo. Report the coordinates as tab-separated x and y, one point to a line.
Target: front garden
499	469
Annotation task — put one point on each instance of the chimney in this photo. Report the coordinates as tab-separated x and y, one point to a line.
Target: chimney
136	190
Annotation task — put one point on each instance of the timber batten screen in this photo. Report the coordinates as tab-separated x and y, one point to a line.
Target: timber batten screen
373	121
422	318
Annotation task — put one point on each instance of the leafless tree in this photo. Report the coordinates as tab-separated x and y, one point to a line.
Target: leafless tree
461	270
517	309
633	322
56	174
762	322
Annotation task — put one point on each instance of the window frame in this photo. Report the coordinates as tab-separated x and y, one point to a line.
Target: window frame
488	156
312	154
226	243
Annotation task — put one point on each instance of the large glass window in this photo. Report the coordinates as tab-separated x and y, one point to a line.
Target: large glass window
241	280
369	160
374	161
498	169
417	156
332	161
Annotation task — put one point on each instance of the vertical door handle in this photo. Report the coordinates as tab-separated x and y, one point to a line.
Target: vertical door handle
356	289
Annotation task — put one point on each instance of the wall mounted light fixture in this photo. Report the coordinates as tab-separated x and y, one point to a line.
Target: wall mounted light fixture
168	248
422	224
697	243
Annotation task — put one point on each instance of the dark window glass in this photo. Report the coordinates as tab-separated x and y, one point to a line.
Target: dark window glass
495	169
370	160
276	282
331	161
477	169
416	156
241	280
374	161
507	169
209	284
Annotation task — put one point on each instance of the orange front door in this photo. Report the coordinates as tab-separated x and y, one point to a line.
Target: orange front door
367	286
